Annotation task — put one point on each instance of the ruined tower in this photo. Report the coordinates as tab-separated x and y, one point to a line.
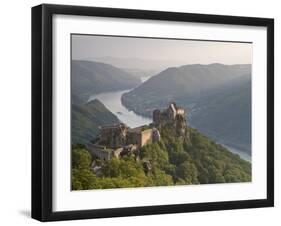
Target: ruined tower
173	116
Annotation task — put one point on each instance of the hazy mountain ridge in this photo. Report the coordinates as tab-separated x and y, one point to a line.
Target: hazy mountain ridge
217	98
225	115
90	77
191	79
140	73
146	64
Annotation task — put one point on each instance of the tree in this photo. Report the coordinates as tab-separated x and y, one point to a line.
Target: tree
188	172
83	179
81	158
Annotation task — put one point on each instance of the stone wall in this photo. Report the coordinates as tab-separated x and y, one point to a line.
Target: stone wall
114	136
100	151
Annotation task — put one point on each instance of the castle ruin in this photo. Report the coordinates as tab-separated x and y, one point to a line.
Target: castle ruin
174	116
119	139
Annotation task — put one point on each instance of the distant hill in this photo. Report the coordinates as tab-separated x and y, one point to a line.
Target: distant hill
140	73
90	77
86	118
216	96
146	64
189	80
225	114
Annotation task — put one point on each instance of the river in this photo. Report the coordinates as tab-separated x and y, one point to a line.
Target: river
112	100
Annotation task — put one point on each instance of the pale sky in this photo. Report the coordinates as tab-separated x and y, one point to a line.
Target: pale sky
159	51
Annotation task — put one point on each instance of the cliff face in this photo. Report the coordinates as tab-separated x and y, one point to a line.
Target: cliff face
180	125
177	128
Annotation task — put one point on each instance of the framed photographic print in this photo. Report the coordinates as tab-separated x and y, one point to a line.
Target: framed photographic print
145	112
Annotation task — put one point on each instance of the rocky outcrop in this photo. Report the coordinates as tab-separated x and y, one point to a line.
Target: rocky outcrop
174	117
118	139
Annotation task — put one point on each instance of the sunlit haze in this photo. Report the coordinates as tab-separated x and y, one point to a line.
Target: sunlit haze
147	53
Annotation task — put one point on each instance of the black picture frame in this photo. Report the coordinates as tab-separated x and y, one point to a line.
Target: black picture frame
42	111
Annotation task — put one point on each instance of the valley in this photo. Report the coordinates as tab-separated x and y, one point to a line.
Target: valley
217	98
217	106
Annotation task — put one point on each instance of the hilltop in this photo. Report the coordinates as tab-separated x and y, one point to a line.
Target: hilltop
179	156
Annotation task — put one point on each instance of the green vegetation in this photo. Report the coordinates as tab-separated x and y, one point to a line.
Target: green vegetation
193	159
86	118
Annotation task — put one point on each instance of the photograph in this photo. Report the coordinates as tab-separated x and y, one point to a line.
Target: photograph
152	111
140	112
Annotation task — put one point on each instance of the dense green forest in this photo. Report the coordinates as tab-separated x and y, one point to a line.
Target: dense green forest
193	159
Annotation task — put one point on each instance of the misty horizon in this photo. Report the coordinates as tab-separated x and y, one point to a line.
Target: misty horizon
157	54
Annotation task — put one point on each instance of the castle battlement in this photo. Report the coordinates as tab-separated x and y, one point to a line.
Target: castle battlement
168	114
173	115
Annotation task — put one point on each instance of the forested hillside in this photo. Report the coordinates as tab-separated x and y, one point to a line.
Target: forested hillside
194	159
86	118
